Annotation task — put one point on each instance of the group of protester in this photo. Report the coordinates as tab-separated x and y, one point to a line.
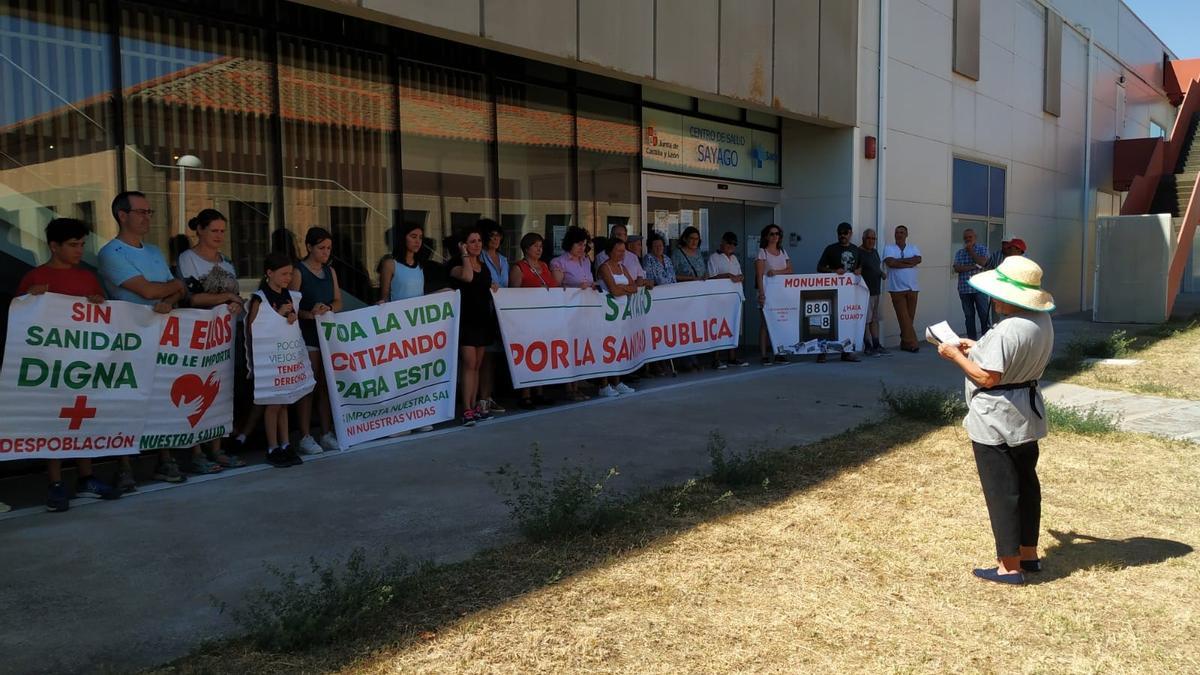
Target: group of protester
301	289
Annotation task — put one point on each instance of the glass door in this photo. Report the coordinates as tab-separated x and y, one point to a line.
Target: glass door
670	215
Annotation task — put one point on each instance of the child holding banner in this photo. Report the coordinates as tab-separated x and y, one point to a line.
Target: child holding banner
273	291
319	293
62	274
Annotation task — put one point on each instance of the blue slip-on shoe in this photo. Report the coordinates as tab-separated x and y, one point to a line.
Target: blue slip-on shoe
993	574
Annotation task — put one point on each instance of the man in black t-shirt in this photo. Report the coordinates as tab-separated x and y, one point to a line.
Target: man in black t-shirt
841	258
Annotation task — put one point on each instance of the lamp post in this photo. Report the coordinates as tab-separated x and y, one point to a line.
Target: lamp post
184	163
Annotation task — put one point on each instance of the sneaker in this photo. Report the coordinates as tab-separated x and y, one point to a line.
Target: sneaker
425	429
481	414
868	351
90	486
203	465
490	405
882	351
623	388
780	358
5	508
292	456
766	361
278	458
330	442
468	418
851	357
169	472
721	365
309	446
738	363
57	500
608	392
125	482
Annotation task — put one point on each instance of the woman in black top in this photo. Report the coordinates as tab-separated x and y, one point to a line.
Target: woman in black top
476	329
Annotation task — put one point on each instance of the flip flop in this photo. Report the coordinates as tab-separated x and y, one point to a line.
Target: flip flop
993	574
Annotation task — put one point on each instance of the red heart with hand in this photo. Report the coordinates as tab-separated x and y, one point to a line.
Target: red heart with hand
190	389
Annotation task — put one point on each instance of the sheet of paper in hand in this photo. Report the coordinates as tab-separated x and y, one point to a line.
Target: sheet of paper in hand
941	332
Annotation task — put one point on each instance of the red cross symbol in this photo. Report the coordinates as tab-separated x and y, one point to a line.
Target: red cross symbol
78	413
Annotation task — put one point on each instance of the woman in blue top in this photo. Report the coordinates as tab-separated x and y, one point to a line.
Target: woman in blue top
411	275
319	293
497	264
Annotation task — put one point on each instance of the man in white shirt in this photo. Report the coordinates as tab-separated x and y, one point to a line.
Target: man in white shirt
724	264
901	259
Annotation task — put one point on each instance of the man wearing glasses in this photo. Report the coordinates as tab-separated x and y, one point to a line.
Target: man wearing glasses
133	270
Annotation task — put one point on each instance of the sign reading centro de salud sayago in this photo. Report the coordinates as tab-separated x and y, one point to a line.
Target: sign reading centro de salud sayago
684	144
558	335
815	313
391	367
88	380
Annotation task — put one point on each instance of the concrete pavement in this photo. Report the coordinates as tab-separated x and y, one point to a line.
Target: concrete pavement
128	583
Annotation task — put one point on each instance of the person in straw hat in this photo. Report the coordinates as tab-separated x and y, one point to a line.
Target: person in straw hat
1006	414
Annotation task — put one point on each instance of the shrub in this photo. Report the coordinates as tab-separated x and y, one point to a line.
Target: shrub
738	469
931	405
1112	346
573	501
1090	421
340	597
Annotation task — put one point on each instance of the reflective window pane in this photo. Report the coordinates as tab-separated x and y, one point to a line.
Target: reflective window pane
536	131
970	187
445	136
56	128
338	112
996	192
609	176
197	132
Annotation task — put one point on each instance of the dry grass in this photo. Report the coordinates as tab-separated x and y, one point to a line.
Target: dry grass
1171	364
857	559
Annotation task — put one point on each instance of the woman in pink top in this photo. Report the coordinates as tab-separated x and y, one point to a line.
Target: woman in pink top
572	269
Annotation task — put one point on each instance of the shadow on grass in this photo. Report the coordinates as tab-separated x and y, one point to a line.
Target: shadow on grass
437	597
1114	344
1073	552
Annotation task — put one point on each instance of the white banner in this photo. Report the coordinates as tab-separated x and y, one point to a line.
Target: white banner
391	367
563	335
192	399
76	377
816	313
278	357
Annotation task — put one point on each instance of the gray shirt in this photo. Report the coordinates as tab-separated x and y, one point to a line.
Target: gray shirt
1018	348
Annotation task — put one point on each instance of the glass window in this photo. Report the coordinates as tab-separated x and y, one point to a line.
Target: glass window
609	177
56	127
970	187
731	112
202	88
536	132
446	132
1157	130
762	119
338	112
996	188
667	98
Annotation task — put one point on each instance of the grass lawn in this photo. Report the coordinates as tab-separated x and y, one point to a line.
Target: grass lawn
855	557
1170	355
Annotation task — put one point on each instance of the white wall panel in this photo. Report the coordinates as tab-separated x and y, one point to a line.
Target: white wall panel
920	36
547	26
746	50
456	15
922	105
618	34
993	127
964	116
797	55
918	169
686	36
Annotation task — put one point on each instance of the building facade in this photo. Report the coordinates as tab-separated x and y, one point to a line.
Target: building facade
655	114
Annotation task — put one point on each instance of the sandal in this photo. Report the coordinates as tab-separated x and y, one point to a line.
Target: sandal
230	461
202	465
579	398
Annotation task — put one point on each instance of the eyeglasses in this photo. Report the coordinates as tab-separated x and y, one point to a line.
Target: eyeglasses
141	212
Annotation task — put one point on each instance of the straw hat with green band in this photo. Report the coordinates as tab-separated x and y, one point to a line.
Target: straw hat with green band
1017	281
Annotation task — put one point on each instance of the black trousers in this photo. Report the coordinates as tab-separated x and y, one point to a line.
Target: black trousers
1013	494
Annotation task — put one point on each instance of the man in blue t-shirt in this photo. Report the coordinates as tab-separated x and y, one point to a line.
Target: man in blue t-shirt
135	271
131	269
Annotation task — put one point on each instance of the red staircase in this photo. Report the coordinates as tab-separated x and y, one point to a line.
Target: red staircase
1163	175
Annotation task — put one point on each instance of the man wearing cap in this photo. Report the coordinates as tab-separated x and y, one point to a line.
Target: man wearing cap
1006	415
1013	246
724	264
841	257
